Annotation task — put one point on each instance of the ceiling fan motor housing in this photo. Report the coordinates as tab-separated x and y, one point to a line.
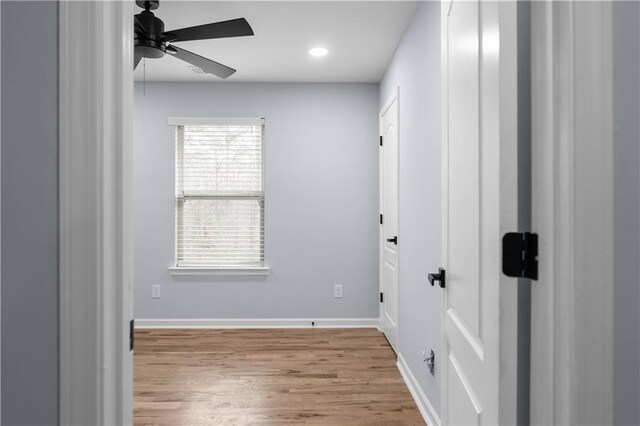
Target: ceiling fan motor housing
150	44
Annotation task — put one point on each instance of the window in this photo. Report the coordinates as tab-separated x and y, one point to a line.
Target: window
219	193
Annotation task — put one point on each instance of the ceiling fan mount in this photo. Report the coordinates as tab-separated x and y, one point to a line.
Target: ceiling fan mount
151	40
148	4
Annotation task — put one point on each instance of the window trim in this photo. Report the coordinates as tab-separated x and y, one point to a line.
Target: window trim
222	270
186	121
229	270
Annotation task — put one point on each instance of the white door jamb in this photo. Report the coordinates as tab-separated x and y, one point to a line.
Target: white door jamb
572	190
96	96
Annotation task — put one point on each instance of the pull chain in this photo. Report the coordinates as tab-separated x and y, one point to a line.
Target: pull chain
144	76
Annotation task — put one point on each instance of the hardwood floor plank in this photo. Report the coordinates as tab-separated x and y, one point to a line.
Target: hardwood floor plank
269	377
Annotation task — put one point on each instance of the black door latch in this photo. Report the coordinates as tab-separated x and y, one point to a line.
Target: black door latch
440	277
393	240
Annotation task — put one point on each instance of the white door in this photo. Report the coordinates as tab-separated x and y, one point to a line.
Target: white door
389	225
479	205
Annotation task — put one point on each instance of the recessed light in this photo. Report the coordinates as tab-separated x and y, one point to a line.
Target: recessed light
318	51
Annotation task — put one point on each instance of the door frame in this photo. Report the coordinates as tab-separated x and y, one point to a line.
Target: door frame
394	96
95	166
95	197
572	190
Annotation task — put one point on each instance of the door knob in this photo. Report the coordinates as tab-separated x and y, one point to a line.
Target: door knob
393	240
440	277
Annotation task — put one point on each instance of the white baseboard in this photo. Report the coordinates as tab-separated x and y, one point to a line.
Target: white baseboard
259	323
424	405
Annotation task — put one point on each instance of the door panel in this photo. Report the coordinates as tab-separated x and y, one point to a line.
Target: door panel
389	228
475	141
463	308
464	166
468	409
390	274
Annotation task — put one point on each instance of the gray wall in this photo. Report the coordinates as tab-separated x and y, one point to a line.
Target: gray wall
321	219
415	68
29	212
626	99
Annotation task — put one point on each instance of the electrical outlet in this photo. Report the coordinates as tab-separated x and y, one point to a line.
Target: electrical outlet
156	291
337	291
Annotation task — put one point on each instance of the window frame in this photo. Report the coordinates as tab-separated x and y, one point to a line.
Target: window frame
193	270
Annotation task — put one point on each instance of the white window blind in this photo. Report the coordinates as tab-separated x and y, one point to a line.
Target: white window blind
219	192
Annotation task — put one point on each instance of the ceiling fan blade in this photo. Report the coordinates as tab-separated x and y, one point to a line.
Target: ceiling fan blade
136	60
207	65
233	28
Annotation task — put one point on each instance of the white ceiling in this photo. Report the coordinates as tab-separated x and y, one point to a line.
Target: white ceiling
361	37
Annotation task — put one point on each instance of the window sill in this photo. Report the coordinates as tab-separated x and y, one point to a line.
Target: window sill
195	271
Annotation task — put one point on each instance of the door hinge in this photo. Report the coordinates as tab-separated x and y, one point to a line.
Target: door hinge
520	255
381	297
131	335
380	140
381	219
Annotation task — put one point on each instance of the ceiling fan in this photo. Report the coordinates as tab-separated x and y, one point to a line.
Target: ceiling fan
152	41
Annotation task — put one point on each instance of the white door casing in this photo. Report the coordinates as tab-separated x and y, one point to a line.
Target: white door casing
95	163
389	227
479	94
572	190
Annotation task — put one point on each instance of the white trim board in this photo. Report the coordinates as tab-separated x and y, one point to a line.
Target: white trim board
95	246
194	271
181	121
572	212
424	405
258	323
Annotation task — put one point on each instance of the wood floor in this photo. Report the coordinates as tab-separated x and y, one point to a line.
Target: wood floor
269	377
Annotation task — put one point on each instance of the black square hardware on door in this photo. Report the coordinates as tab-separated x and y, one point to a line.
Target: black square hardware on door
520	255
393	240
132	335
440	277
